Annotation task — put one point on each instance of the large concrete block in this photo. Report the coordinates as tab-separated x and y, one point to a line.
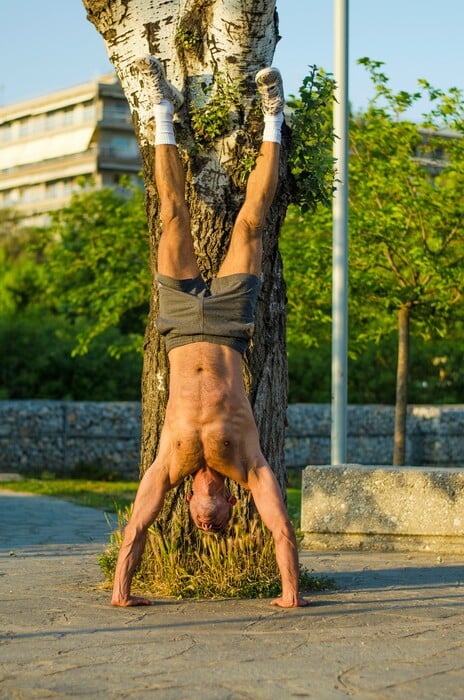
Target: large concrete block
386	508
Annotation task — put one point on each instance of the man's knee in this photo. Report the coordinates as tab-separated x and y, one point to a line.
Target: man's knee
250	222
174	215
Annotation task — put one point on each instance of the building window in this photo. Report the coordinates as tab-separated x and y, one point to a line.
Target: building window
68	187
120	147
68	116
23	127
6	132
32	194
117	111
52	189
51	120
88	111
12	197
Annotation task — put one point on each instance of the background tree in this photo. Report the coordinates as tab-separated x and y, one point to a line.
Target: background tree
74	287
96	271
406	244
408	230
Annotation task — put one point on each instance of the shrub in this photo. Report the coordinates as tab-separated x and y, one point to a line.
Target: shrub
36	348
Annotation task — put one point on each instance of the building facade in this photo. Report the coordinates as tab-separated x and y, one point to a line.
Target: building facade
48	145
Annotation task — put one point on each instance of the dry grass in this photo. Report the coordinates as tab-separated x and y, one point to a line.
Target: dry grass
237	564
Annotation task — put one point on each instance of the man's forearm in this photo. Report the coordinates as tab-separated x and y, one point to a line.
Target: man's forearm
129	557
287	561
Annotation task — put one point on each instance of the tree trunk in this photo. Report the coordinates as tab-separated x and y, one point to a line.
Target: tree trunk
401	408
205	45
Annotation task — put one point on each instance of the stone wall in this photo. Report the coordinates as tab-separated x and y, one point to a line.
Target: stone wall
435	435
61	436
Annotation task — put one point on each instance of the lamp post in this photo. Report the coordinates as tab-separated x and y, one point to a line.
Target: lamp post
340	238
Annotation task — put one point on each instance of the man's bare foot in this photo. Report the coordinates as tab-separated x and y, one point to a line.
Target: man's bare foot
131	601
290	602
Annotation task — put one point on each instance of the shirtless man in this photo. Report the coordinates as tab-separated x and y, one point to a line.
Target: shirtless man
209	430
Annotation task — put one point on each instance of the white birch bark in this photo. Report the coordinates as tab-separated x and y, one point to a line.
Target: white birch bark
238	38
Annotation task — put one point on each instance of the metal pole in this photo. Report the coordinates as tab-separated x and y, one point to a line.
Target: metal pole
340	238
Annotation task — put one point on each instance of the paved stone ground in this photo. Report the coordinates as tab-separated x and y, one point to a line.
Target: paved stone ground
393	628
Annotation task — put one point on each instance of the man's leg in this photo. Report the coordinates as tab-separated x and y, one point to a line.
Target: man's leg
176	255
245	250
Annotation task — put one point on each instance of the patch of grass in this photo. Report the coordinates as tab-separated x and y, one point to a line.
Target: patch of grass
201	565
294	477
106	495
235	564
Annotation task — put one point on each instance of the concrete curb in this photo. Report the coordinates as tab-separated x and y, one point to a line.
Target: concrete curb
404	509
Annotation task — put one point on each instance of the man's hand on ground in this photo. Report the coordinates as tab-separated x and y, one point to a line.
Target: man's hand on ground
131	601
290	602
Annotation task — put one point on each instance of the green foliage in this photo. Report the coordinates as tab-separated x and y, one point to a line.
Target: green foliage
406	248
21	273
309	372
192	30
86	278
435	370
236	564
40	329
406	221
189	38
383	95
97	266
448	107
306	247
36	349
211	115
310	157
246	164
294	503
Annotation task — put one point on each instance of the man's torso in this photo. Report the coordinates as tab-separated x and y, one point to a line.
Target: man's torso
209	421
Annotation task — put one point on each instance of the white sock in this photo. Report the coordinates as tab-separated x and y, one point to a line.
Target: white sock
164	129
273	127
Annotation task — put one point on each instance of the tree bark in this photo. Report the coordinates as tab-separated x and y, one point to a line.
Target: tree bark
203	43
401	408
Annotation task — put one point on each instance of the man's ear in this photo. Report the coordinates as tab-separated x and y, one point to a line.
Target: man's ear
232	500
189	497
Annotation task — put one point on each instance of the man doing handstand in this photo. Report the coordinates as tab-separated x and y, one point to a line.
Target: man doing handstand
209	430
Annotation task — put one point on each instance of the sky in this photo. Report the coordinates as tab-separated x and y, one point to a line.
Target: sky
48	45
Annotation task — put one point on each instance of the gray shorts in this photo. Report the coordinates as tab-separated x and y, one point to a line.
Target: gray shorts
190	312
